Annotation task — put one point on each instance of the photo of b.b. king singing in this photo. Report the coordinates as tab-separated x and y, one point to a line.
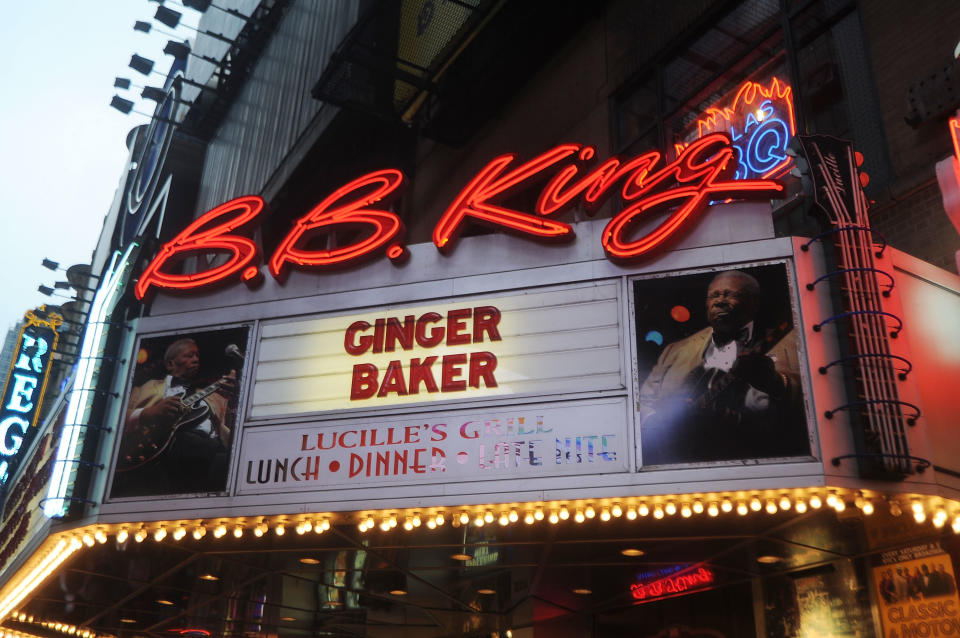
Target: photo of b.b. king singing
179	420
729	390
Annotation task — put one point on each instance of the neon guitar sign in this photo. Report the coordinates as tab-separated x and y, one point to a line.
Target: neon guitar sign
649	185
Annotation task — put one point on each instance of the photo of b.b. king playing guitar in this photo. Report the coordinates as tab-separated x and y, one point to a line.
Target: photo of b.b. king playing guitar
180	415
729	391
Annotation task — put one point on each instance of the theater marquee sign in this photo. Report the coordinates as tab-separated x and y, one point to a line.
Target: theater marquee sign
538	343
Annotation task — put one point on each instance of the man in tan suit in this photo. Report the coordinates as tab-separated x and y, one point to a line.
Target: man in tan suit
727	392
197	440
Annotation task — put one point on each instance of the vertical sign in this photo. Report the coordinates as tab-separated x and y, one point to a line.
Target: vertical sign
23	391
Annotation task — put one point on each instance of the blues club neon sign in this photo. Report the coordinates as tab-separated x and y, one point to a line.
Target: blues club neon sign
24	388
674	192
760	121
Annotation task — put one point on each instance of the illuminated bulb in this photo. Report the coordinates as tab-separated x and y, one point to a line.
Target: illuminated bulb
308	525
513	516
643	510
325	525
553	518
895	509
658	512
831	500
815	501
416	519
785	502
199	532
439	519
408	524
771	506
362	526
564	513
140	535
760	115
867	507
916	505
956	524
671	508
755	504
478	521
616	510
940	517
726	505
392	521
261	529
919	515
464	518
579	517
590	512
839	505
605	514
160	534
431	523
528	518
488	517
370	522
742	508
385	525
220	531
800	506
698	507
179	533
712	509
504	519
631	514
100	536
685	510
538	513
238	531
88	540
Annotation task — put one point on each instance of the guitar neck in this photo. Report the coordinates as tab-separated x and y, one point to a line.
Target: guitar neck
200	394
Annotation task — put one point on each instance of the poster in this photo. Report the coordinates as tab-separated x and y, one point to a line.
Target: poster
719	367
180	414
917	592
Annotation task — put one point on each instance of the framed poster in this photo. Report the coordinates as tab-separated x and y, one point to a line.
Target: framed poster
180	414
718	367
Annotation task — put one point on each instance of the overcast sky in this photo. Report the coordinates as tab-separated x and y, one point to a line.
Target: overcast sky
63	146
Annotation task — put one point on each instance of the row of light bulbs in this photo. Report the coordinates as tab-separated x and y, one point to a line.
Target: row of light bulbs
63	628
631	509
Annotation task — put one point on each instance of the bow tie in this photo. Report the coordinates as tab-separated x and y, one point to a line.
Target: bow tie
742	337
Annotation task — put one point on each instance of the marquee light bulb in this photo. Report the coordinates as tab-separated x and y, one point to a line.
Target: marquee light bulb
742	508
643	510
658	512
122	535
503	519
616	510
199	532
160	534
685	511
554	518
100	536
538	513
488	517
605	514
815	501
698	506
564	513
528	518
179	533
713	509
726	505
590	512
238	531
785	502
408	524
671	508
867	507
631	514
771	506
478	521
513	516
140	535
440	519
431	523
416	520
579	517
755	504
464	518
800	506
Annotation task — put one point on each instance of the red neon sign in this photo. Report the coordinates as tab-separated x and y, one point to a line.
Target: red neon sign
675	584
680	189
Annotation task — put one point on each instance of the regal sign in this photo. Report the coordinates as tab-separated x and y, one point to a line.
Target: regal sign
650	186
25	385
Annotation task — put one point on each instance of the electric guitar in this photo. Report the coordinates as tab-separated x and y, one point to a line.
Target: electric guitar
145	443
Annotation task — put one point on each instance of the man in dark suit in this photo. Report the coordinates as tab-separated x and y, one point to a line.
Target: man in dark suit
728	392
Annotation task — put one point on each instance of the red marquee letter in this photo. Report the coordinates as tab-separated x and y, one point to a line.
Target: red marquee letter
473	200
385	225
194	240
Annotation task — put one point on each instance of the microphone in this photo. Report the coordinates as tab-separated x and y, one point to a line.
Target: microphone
233	352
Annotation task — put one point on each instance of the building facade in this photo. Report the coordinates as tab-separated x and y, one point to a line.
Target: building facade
516	319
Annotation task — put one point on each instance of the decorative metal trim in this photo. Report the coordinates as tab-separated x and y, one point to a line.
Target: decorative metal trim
805	247
885	293
902	374
843	315
922	464
911	420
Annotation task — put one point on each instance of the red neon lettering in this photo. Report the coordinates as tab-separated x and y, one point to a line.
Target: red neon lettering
595	186
672	584
332	212
197	238
954	125
473	201
700	176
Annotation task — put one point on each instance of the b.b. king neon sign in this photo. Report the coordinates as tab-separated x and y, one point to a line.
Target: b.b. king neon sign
24	389
760	121
673	192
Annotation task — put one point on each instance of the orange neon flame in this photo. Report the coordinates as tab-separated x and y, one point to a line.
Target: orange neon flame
200	236
385	225
749	93
954	125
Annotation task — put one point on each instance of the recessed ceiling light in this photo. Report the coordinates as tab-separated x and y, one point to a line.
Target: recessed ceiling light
129	621
486	591
583	591
209	577
631	551
309	561
288	618
461	557
164	601
768	559
398	592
